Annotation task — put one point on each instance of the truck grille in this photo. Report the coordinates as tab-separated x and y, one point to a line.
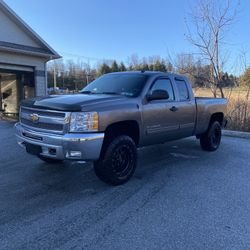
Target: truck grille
44	120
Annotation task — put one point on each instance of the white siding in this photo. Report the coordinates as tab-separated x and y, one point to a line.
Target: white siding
24	60
12	33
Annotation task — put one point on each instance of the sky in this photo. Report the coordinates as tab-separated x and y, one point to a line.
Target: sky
94	30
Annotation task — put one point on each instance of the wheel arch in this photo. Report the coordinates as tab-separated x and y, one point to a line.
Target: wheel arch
128	127
218	116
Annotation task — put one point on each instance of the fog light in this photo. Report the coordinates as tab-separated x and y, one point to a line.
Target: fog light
74	154
52	151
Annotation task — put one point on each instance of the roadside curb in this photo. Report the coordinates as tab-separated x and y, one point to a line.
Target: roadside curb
238	134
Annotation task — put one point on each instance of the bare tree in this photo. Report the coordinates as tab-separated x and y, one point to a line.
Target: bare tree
87	70
245	77
207	26
133	61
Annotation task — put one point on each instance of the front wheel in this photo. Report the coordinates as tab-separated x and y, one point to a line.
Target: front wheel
210	141
118	161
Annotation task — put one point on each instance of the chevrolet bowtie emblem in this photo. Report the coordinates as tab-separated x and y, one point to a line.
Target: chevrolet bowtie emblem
34	117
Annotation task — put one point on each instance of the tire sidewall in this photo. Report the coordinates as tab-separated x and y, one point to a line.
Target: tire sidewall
214	126
104	168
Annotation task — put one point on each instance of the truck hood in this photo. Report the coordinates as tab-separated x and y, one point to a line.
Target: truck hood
77	102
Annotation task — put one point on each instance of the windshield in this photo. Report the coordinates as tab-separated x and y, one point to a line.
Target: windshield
117	84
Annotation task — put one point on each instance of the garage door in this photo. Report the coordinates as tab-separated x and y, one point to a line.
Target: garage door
15	67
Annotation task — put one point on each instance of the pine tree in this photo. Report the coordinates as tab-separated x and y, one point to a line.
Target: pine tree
159	65
104	69
122	67
144	66
114	67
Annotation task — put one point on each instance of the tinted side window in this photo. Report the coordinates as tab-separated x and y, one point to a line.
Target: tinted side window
183	90
164	84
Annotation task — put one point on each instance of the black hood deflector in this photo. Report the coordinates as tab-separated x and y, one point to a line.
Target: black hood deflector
75	102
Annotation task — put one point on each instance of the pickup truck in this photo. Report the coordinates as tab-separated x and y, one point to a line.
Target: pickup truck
113	116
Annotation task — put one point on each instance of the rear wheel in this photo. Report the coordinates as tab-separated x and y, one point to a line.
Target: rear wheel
118	161
49	160
210	141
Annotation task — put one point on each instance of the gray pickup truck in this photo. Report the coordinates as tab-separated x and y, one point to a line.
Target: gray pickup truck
113	116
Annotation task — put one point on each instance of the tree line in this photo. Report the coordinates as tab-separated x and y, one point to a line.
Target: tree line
74	75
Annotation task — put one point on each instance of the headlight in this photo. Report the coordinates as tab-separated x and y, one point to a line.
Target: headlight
84	122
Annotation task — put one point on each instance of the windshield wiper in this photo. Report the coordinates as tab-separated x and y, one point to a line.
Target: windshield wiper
108	93
86	92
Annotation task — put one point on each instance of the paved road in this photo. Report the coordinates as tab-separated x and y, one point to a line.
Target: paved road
179	198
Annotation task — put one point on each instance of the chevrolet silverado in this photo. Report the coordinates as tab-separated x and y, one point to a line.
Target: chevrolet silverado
113	116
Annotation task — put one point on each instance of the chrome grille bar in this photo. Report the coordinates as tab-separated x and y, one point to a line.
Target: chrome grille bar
45	120
52	113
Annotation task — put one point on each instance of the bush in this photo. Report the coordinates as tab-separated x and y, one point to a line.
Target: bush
238	115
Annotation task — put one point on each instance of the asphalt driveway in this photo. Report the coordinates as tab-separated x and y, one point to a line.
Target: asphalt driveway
179	198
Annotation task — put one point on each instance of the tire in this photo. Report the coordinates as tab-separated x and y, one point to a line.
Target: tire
118	161
49	160
210	141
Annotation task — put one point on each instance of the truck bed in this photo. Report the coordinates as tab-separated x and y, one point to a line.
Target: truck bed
206	106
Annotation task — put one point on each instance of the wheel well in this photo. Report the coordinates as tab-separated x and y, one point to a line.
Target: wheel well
217	117
214	117
130	128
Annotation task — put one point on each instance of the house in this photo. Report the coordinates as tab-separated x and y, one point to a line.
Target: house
23	58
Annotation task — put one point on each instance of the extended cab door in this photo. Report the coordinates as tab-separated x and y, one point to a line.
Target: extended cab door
186	107
160	119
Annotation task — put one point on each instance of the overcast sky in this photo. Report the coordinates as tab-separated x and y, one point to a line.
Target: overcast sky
114	29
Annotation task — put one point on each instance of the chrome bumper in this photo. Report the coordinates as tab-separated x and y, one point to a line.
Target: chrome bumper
68	146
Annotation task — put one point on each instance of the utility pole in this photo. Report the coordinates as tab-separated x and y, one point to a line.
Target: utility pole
1	104
54	74
75	85
87	76
88	72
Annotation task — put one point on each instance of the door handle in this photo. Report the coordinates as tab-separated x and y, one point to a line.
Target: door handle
173	109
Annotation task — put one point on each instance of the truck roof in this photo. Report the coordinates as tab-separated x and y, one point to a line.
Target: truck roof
148	73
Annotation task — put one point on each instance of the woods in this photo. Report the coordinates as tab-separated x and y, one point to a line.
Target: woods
74	75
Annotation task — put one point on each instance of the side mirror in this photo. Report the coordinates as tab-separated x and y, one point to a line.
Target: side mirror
158	94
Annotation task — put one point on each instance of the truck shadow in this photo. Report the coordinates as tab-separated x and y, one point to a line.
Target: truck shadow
74	177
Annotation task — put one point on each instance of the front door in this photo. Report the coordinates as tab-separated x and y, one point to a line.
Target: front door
160	119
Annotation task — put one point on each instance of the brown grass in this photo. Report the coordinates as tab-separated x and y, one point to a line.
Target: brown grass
238	109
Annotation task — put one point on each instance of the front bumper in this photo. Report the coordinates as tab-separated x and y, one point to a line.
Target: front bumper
68	146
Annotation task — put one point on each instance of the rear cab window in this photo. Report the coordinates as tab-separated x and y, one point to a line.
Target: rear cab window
182	89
